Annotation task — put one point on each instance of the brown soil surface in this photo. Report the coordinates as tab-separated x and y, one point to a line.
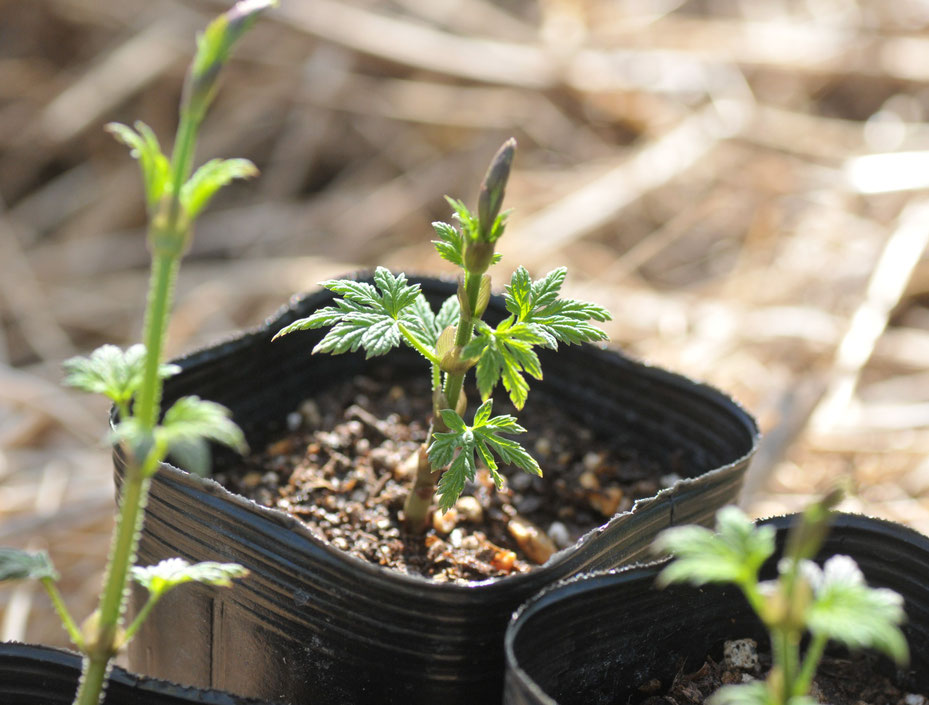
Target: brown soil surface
341	468
853	680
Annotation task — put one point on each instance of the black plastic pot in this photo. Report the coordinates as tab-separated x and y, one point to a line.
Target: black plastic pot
30	675
315	625
595	639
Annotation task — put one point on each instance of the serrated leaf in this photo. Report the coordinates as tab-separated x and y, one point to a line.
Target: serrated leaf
26	565
209	178
168	574
734	553
518	294
115	373
481	438
450	244
846	610
368	316
505	353
191	419
556	320
144	147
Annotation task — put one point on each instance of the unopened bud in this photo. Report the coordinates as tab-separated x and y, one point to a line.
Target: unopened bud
479	256
493	187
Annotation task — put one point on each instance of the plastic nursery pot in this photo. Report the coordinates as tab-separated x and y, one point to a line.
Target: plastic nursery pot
38	674
596	639
315	625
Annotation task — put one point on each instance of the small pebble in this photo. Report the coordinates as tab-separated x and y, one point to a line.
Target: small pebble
281	447
589	481
270	479
741	654
444	522
521	481
543	447
310	413
294	420
671	478
251	480
592	461
470	543
528	505
558	533
469	509
455	537
915	699
534	542
504	561
607	502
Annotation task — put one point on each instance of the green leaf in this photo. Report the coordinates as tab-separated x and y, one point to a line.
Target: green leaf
457	449
191	417
367	316
144	147
505	353
846	610
112	372
209	178
518	296
168	574
450	244
26	565
470	225
752	693
733	554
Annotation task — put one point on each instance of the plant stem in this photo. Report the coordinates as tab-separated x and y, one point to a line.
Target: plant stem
416	345
455	382
140	617
93	677
814	653
161	287
66	620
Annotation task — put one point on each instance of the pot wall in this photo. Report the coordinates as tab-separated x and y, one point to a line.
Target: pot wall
314	625
594	640
38	674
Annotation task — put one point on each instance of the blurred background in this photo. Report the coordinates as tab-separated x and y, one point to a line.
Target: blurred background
740	182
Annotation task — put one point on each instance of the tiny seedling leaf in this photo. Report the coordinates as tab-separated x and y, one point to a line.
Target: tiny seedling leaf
26	565
734	553
194	419
168	574
115	373
846	610
209	178
143	146
753	693
457	447
450	244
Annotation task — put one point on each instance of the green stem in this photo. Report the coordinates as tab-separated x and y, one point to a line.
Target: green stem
160	294
416	344
182	159
140	617
811	660
93	678
66	620
455	382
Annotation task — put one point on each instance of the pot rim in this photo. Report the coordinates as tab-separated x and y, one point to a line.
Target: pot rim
542	573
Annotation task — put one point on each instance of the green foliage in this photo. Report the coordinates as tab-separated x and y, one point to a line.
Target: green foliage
26	565
458	446
168	574
114	373
209	178
829	603
734	553
144	146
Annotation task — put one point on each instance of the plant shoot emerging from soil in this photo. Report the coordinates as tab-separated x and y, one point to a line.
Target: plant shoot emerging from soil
133	379
831	602
392	312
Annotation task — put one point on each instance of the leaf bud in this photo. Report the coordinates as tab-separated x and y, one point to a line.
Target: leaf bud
493	187
479	255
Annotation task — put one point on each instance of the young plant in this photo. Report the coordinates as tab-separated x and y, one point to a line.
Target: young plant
391	312
133	379
828	603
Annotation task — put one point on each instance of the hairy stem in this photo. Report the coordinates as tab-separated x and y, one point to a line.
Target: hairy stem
93	678
66	620
814	653
455	382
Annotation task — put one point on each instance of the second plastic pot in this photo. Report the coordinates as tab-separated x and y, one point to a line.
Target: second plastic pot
596	639
315	625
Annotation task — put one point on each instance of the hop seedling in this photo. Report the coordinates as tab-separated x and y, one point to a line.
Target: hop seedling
391	312
828	603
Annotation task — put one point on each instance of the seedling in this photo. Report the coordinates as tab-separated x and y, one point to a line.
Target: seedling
133	379
828	603
392	312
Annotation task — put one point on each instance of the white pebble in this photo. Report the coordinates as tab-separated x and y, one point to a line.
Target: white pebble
455	537
558	533
741	654
294	420
670	479
915	699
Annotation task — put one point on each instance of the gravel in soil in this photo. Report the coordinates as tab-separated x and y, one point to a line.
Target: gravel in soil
344	464
850	680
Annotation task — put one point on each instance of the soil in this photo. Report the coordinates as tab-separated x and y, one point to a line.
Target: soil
850	680
343	468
